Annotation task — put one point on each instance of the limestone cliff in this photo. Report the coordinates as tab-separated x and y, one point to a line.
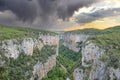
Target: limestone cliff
100	50
41	69
40	55
74	41
92	68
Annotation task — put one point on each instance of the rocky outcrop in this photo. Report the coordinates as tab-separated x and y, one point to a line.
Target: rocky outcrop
14	47
73	41
92	68
41	69
78	74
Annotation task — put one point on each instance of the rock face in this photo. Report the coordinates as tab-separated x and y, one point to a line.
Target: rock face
78	74
72	41
92	68
14	47
41	69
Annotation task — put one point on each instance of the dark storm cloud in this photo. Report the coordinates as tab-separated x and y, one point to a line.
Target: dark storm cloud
66	8
42	12
23	9
102	13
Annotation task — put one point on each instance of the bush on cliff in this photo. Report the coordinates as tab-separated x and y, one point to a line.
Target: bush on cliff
22	67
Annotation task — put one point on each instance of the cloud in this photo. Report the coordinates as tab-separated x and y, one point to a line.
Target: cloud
98	24
102	13
23	9
66	8
42	12
97	11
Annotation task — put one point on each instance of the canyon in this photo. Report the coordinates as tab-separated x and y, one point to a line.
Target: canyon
69	56
93	65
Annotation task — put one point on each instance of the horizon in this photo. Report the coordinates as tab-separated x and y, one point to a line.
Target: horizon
56	16
57	31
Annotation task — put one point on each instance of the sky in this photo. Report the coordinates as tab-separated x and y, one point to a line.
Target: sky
60	14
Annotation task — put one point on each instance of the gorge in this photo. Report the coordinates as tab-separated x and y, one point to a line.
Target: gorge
88	54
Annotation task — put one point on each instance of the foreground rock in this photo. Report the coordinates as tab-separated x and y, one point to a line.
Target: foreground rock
29	48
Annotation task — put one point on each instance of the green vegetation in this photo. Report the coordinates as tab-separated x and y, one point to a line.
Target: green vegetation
68	58
66	62
89	31
22	67
92	31
56	73
108	39
20	32
111	43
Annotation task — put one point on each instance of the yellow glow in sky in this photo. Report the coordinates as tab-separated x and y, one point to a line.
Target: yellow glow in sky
98	24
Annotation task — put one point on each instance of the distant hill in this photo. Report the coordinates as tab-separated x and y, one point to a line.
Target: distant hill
8	32
108	37
92	31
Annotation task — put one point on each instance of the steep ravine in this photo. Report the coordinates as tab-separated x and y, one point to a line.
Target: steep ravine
100	54
92	55
66	61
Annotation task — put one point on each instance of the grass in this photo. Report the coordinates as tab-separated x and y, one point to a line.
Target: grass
89	31
20	32
92	31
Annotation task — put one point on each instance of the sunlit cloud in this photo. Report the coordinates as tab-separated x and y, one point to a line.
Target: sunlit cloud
100	15
59	14
105	5
98	24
